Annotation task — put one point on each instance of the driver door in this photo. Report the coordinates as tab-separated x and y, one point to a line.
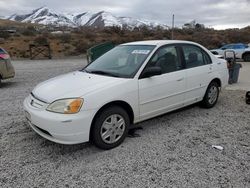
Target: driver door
165	92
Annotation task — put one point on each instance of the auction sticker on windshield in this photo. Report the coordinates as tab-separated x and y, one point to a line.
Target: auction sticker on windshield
145	52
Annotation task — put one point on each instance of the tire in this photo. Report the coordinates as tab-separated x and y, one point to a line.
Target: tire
246	57
211	96
110	128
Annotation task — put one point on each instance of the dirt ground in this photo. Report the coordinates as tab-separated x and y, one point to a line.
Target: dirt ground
174	150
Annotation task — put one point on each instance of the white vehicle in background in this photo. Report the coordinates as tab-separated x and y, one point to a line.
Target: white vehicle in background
242	51
129	84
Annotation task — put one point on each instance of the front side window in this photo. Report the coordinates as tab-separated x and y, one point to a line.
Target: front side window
122	61
167	59
194	56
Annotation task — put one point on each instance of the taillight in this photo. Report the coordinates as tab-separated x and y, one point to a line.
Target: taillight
4	56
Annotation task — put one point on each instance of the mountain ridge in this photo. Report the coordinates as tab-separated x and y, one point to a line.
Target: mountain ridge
46	16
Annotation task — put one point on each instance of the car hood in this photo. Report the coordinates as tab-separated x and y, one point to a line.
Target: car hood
75	84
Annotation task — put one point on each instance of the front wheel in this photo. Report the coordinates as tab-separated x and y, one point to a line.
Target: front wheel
211	95
110	127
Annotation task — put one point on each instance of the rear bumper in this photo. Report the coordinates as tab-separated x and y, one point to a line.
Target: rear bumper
224	79
6	69
9	75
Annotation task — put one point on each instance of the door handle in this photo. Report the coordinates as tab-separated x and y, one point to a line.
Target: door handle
180	79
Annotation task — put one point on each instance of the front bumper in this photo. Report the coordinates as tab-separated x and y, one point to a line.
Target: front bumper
59	128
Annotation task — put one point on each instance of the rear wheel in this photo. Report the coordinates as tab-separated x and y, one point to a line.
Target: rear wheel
110	127
211	95
246	57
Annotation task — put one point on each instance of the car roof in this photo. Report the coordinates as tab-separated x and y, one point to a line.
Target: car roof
158	42
234	44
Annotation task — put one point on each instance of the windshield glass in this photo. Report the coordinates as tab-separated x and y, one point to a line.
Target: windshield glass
122	61
2	51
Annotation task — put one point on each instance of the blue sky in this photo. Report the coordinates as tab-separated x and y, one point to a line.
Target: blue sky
213	13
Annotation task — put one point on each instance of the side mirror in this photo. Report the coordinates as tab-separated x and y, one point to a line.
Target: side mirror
151	71
223	48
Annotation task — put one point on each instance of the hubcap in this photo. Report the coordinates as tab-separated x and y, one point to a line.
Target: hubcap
212	95
112	128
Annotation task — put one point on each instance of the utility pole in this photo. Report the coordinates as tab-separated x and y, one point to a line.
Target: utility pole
172	34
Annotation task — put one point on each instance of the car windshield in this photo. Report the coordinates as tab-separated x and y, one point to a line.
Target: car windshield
2	51
122	61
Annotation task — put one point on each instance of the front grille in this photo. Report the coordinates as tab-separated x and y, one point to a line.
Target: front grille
37	103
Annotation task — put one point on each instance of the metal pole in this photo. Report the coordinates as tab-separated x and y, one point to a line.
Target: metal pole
172	37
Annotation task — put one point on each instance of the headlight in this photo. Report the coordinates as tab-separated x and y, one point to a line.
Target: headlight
66	106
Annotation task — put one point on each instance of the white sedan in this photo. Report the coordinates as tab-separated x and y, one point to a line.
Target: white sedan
129	84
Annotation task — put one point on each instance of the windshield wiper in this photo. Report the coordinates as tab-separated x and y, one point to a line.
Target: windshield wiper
101	72
84	70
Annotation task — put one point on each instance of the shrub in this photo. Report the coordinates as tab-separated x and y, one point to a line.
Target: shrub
41	40
29	31
4	34
65	38
82	47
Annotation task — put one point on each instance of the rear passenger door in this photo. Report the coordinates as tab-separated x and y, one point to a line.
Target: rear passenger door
199	69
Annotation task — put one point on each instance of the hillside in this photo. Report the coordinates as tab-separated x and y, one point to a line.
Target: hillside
75	41
14	24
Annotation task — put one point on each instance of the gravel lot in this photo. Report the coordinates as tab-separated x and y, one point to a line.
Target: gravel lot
174	150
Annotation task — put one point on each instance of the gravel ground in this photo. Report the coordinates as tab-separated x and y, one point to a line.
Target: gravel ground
174	150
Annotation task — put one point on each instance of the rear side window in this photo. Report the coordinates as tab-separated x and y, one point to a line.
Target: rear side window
195	56
239	46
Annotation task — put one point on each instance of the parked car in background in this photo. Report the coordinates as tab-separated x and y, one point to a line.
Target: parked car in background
129	84
6	68
242	51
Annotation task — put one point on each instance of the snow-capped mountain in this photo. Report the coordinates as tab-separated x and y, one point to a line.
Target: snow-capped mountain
82	19
103	19
46	16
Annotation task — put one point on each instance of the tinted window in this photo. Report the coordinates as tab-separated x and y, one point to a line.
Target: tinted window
239	46
207	59
195	56
167	58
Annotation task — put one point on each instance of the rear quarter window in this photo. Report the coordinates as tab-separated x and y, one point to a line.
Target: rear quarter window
195	56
